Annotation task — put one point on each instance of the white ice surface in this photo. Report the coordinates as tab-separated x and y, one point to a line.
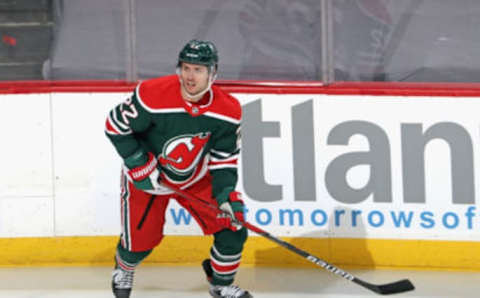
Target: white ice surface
188	282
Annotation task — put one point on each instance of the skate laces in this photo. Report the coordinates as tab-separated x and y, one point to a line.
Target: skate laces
231	291
122	279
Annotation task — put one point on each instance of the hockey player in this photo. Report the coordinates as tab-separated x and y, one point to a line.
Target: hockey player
181	130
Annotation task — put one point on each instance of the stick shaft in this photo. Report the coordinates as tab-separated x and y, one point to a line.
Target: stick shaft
403	285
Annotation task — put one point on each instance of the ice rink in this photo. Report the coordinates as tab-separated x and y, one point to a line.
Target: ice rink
185	281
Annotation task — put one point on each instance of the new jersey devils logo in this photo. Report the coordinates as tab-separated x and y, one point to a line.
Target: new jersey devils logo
182	154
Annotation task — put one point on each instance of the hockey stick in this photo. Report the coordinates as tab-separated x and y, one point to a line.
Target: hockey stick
400	286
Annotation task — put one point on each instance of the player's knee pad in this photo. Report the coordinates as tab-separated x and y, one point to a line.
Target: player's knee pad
229	242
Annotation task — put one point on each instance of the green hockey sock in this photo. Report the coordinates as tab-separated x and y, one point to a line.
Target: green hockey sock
130	259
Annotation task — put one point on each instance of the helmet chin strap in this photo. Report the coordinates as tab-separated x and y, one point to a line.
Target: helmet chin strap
195	97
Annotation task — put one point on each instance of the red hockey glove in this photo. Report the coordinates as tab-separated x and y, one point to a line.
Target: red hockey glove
143	169
234	209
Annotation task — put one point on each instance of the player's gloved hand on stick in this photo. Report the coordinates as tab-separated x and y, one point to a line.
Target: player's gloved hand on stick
144	170
234	209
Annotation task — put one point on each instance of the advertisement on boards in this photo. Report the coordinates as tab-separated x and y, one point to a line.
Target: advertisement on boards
357	166
311	166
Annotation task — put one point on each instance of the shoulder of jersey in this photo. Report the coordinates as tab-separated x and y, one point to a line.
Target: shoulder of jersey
225	105
159	94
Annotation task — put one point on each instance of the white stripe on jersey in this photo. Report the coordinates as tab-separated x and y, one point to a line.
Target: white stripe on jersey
118	122
221	153
231	158
112	123
222	117
223	166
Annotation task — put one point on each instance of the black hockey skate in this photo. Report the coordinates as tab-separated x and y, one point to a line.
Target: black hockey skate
230	291
122	282
207	268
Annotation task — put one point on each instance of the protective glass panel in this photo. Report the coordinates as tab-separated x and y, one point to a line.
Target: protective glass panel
408	40
372	40
26	28
90	41
256	39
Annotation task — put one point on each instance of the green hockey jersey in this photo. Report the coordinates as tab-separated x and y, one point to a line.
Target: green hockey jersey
189	140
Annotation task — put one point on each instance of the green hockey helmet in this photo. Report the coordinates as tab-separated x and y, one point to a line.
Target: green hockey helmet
199	52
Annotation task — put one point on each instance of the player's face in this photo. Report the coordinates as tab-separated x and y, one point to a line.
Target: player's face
194	77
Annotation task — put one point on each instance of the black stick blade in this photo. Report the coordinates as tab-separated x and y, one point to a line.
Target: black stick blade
400	286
